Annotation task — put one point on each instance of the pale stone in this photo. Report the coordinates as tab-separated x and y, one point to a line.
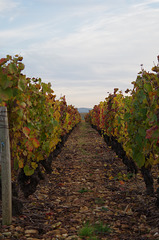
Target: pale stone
12	227
84	209
73	237
56	225
54	232
19	229
72	229
64	235
31	231
7	234
32	239
63	231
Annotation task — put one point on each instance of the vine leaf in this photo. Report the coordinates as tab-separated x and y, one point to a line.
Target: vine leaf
6	94
3	61
35	142
26	131
29	146
150	132
28	171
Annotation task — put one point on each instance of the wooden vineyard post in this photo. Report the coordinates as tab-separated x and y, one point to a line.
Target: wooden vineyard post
5	168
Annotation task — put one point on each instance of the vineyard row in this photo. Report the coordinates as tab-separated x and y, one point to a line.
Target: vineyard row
130	124
38	123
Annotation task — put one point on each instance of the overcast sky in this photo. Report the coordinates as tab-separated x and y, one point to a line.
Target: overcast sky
85	48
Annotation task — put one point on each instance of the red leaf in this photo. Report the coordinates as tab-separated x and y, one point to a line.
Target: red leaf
26	131
61	184
29	146
35	142
49	214
121	182
150	132
2	61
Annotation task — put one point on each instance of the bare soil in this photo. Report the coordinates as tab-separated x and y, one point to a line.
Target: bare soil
89	183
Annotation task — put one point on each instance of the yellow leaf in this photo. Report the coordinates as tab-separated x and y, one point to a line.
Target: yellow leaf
23	104
35	142
25	153
20	164
111	177
39	158
34	165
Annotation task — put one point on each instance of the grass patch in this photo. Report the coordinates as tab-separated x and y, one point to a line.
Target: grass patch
101	229
83	160
86	231
84	152
99	201
124	177
81	144
83	190
94	231
81	141
84	125
104	209
90	131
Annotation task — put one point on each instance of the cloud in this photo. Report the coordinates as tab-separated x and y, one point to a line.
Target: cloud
7	6
105	40
148	3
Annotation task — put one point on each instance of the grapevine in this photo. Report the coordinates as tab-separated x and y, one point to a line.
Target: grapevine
130	124
37	121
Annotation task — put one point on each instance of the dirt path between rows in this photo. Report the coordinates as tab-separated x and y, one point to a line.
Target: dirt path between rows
89	195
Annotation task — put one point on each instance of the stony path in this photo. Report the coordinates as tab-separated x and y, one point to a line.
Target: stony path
89	186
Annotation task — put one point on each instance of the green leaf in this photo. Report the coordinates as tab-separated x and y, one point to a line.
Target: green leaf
142	96
138	140
6	94
30	125
16	164
22	83
21	66
155	134
28	171
12	68
5	82
44	87
15	92
152	116
142	132
127	116
20	112
139	158
54	122
147	87
144	112
51	110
